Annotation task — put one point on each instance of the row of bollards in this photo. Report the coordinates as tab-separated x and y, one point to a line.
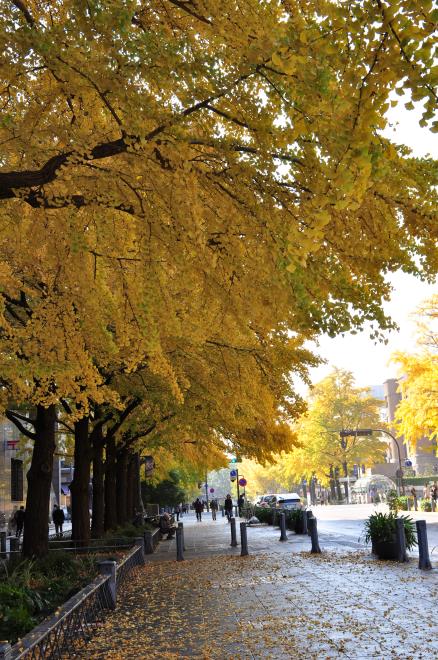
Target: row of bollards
309	526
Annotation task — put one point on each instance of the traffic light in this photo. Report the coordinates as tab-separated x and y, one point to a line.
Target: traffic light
233	459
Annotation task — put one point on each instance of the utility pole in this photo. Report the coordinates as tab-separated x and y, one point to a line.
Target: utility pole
206	490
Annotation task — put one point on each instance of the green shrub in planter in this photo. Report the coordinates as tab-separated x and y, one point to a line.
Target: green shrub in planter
403	503
425	505
294	520
265	515
380	529
396	502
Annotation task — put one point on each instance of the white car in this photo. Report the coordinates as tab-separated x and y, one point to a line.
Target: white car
288	501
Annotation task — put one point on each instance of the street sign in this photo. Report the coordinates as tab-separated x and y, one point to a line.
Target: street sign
355	432
233	473
242	482
211	490
408	463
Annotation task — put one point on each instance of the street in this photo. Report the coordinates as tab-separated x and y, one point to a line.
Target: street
343	524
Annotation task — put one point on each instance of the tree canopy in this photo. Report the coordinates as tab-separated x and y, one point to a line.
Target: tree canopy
188	191
417	412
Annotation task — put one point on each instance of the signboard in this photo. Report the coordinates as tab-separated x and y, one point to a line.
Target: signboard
242	482
233	475
11	444
211	490
408	463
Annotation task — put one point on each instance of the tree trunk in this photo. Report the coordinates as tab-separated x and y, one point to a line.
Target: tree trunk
122	486
345	468
131	486
312	491
110	519
80	512
332	485
39	481
138	500
98	507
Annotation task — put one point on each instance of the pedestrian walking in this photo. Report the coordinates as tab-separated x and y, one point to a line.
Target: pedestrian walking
228	506
414	495
434	495
58	518
177	512
19	516
214	507
199	507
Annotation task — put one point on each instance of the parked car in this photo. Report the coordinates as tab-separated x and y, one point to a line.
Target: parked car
288	501
268	500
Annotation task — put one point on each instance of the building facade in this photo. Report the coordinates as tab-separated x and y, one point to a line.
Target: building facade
423	456
12	471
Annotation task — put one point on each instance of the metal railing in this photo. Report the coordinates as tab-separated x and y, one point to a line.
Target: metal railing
67	631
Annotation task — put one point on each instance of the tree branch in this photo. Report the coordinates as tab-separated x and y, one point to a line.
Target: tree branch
16	420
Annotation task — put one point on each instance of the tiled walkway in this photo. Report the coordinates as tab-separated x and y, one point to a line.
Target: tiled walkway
280	602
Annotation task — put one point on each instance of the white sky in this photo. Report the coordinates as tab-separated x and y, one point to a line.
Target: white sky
358	353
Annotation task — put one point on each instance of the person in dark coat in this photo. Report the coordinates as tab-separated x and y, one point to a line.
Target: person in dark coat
20	515
58	518
199	507
228	506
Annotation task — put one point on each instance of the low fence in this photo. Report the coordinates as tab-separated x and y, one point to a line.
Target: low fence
64	633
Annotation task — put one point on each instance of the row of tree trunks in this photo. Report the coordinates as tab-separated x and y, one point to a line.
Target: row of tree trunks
115	481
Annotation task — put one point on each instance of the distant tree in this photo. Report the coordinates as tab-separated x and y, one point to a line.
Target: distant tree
165	493
335	404
417	413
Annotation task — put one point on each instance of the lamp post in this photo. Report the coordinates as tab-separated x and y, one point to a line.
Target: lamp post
400	469
360	432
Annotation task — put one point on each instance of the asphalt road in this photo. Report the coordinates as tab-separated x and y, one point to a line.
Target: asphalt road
343	524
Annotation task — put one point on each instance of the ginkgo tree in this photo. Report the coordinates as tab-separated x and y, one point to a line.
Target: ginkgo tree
184	176
417	412
335	404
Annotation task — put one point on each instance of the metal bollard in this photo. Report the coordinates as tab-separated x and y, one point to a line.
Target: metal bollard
313	530
179	545
233	532
139	541
401	540
304	519
243	540
181	526
423	547
109	568
148	543
5	651
309	515
283	535
3	544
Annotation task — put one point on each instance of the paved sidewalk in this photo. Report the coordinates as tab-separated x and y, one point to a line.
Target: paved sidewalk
280	603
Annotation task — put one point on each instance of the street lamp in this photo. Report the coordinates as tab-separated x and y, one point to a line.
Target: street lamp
361	432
